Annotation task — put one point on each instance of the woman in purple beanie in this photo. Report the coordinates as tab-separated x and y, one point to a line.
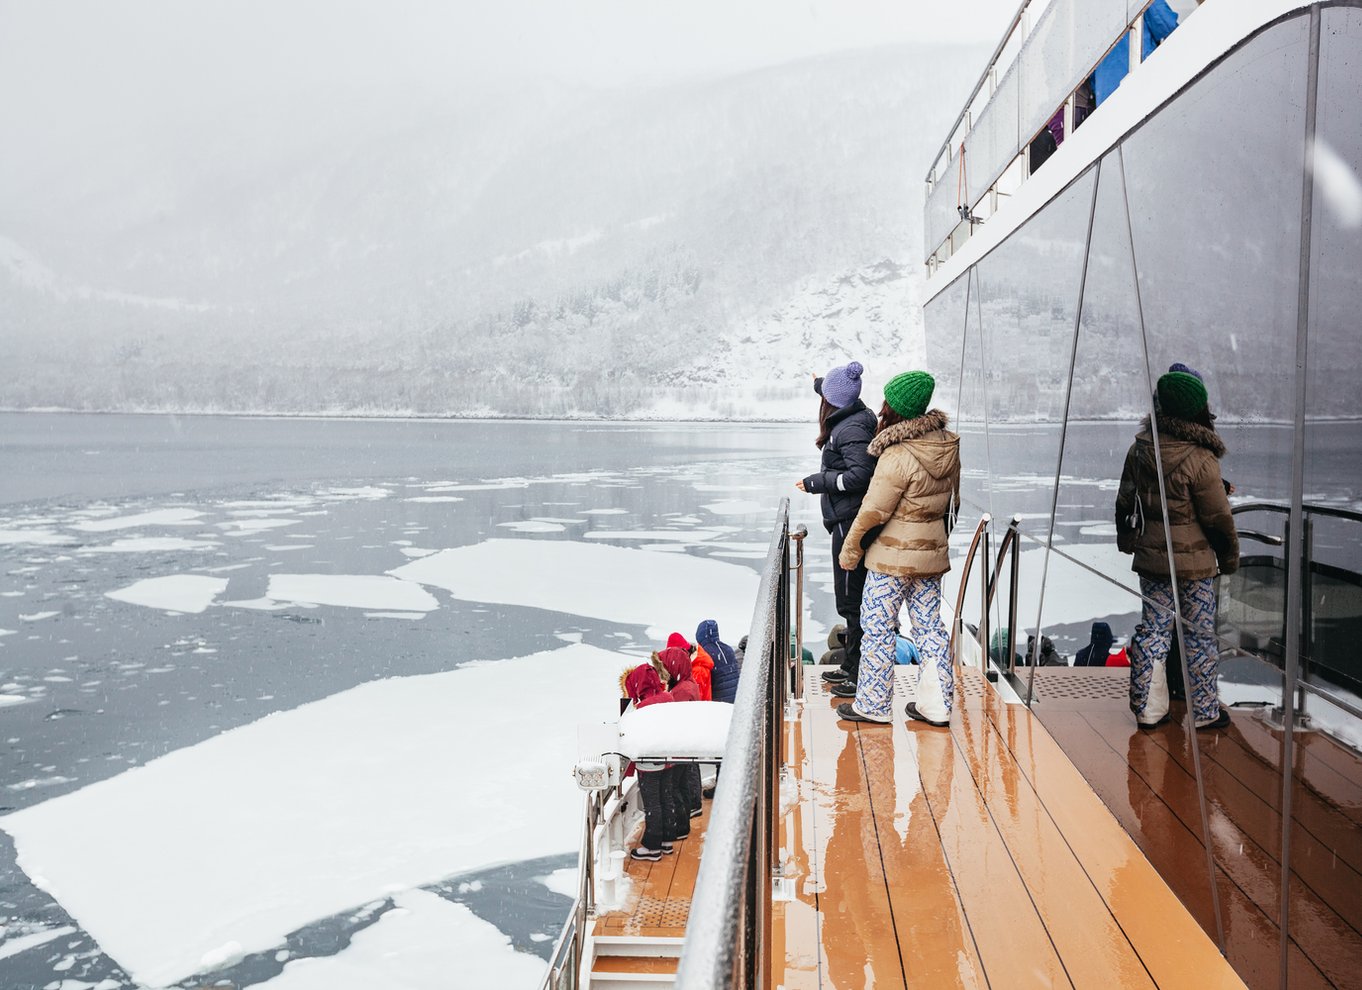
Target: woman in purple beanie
845	429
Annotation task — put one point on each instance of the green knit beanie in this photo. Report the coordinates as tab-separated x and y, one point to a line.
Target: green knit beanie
909	394
1181	395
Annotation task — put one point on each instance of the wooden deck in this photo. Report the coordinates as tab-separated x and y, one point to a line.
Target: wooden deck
974	856
1147	781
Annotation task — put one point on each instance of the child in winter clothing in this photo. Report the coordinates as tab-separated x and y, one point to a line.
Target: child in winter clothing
686	775
644	688
702	664
726	667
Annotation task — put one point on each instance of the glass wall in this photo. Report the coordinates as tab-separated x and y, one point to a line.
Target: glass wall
1208	238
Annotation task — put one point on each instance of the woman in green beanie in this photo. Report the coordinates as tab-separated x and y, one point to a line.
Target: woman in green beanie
1200	530
910	505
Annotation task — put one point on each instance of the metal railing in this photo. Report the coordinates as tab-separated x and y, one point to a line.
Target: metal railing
728	937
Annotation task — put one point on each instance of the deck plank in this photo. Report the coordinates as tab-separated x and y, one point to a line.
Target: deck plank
1173	848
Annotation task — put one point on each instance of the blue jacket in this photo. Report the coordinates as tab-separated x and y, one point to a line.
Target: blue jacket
1159	22
724	680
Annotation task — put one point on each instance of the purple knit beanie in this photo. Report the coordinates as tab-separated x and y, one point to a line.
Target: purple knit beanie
842	385
1179	366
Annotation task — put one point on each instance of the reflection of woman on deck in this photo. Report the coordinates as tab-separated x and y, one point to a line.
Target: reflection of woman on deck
1201	533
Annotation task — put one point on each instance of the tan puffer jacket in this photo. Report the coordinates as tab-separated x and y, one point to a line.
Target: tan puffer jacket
917	480
1199	519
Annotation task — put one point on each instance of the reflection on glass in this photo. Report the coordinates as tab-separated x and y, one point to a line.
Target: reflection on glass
945	324
1326	844
1028	289
971	419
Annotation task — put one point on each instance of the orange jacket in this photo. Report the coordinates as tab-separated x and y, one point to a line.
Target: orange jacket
701	665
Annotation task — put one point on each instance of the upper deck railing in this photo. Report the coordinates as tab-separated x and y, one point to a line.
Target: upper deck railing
1037	74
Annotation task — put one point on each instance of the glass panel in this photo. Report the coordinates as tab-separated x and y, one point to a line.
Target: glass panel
940	216
970	419
1028	291
993	142
1068	40
1214	189
1326	844
945	340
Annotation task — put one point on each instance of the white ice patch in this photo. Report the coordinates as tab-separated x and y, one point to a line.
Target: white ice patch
22	943
173	593
605	512
239	527
565	881
388	786
351	591
533	526
424	943
152	544
8	700
351	494
639	587
417	552
8	632
261	604
435	498
37	616
679	535
160	517
738	507
394	615
35	537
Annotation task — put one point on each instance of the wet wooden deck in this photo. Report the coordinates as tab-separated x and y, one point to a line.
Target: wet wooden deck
1147	781
974	856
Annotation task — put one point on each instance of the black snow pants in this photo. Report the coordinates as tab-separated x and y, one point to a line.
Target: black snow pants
659	811
847	588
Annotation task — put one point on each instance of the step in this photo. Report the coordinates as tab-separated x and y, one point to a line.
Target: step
638	945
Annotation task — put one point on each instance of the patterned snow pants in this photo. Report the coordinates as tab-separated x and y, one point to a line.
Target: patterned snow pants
1153	636
880	604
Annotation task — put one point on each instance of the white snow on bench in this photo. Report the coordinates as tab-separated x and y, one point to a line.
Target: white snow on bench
371	591
424	943
687	728
173	593
640	587
307	813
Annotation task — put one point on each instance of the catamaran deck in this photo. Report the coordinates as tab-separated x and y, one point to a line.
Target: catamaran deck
1054	846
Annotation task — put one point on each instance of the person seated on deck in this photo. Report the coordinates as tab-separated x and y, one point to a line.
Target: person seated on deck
726	666
686	785
660	826
1098	649
701	664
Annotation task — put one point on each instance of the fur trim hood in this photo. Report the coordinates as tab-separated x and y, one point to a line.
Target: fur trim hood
910	429
1186	431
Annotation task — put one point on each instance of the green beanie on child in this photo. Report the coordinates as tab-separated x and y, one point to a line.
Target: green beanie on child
1181	395
910	393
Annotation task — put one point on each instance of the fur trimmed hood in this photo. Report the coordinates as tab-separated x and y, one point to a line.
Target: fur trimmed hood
910	429
1186	431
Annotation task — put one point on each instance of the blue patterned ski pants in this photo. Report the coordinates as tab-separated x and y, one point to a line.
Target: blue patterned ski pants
1149	647
884	596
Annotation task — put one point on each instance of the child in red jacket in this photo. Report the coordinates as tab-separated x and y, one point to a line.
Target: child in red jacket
701	664
655	780
686	776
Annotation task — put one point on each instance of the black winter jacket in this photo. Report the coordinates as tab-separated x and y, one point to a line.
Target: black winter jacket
847	464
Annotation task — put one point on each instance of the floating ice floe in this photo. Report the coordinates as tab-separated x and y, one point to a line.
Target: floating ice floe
737	507
394	615
423	943
435	498
388	786
564	881
417	551
351	494
238	527
679	535
16	944
8	700
172	593
495	485
605	512
8	632
159	517
372	591
532	526
638	587
37	616
152	544
35	537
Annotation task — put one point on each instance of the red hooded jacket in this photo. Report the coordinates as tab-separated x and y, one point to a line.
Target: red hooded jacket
645	687
677	662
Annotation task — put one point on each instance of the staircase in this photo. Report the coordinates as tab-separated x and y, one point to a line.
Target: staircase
632	962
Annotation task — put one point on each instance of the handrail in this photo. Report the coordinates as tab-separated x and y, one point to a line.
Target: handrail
978	87
979	534
728	936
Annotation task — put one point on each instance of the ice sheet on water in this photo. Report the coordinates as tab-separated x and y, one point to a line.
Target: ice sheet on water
679	535
533	526
36	537
435	498
423	943
173	593
37	616
639	587
239	527
738	507
332	805
152	544
15	944
371	591
564	881
157	517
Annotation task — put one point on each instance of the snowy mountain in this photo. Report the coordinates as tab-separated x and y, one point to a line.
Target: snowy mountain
542	252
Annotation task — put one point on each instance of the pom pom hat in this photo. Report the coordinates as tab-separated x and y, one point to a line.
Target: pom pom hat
910	393
1181	394
842	385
